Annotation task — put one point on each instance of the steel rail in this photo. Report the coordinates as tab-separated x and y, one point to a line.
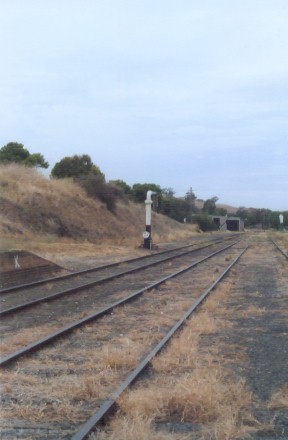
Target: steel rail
110	405
73	290
104	266
38	344
278	247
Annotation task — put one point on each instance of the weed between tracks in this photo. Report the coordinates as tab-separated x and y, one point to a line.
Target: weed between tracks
23	337
49	389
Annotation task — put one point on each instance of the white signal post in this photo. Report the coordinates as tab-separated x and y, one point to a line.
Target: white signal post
147	234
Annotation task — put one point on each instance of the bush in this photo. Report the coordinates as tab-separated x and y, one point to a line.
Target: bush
204	222
175	208
106	192
123	185
14	152
139	191
76	166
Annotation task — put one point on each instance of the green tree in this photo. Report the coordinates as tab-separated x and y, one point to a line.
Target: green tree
14	152
76	166
190	198
204	222
275	220
248	216
123	185
139	191
175	208
209	206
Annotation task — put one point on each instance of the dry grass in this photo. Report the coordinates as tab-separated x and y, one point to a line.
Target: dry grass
207	395
26	389
53	410
215	303
23	337
60	395
125	353
137	427
255	311
279	399
200	396
182	357
204	323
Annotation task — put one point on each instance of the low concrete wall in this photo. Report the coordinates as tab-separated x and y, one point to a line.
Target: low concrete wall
17	259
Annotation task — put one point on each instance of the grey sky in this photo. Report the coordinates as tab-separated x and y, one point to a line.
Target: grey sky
179	93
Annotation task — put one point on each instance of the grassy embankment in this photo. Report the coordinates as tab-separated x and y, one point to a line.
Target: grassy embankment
55	217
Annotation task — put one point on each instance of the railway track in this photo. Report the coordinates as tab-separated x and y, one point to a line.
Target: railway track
279	248
29	295
143	311
64	309
9	279
75	275
109	406
68	382
82	277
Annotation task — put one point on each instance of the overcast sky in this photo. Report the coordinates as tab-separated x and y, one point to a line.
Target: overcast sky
182	93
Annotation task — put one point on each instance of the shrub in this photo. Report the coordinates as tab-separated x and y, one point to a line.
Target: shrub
106	192
204	222
76	166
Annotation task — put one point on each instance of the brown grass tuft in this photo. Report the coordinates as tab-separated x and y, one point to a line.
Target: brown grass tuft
280	398
199	397
137	427
23	337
